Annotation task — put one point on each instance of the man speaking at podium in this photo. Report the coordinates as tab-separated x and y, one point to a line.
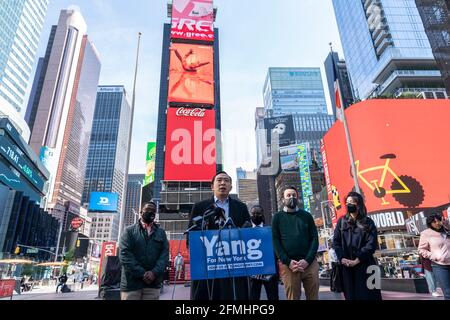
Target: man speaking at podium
233	213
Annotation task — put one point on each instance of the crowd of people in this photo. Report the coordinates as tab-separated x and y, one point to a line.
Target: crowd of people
144	252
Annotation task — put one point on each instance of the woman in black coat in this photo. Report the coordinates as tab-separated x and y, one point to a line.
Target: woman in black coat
355	241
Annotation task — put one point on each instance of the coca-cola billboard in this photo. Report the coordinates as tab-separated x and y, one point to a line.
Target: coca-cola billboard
188	112
193	20
190	145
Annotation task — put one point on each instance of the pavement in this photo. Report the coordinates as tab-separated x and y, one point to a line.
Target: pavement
182	293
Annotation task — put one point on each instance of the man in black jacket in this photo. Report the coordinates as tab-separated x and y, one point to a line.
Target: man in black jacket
143	253
227	288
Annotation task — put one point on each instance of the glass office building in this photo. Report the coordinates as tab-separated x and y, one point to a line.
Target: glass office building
294	90
133	199
386	48
106	169
21	23
436	19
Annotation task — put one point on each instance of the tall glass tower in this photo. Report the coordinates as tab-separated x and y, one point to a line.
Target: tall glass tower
21	23
294	91
106	169
386	48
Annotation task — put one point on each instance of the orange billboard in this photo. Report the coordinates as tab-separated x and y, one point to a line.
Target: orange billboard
191	74
401	150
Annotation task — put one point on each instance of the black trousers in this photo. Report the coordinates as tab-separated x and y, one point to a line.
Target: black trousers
270	286
221	289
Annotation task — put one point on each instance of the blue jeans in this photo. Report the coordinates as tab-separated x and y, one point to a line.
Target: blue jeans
442	274
431	281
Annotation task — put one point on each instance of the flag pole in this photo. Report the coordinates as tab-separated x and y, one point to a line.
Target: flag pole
348	140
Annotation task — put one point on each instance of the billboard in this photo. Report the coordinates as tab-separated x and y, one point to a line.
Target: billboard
284	126
400	152
190	145
193	20
289	157
305	176
103	202
150	163
191	74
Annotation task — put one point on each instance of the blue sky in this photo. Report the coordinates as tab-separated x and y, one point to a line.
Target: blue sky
254	35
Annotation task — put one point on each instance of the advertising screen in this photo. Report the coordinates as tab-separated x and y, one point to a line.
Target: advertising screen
191	74
305	176
289	158
103	202
401	156
193	20
284	126
150	163
190	145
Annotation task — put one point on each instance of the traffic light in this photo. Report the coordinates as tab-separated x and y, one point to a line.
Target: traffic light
78	243
17	251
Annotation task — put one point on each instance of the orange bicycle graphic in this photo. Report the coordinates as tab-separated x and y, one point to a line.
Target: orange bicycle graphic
405	189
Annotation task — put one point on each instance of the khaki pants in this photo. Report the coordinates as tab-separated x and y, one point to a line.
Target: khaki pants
293	282
143	294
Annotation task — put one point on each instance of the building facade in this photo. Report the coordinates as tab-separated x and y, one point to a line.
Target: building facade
336	70
247	186
133	199
386	48
294	90
435	16
106	169
20	29
23	183
64	112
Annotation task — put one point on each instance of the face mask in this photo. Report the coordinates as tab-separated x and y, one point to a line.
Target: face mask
148	217
291	203
257	219
352	208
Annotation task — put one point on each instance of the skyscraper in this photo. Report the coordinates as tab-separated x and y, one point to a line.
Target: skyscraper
386	48
436	20
294	90
298	92
133	199
189	104
336	70
106	169
64	108
20	30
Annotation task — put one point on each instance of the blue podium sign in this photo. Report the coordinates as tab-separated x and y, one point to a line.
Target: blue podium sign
231	253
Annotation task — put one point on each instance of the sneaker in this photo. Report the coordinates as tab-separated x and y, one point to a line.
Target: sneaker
436	294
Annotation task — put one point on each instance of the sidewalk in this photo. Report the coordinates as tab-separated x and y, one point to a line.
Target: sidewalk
183	293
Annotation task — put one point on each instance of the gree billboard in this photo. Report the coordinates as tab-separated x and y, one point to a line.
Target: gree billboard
193	20
191	74
190	145
401	155
150	163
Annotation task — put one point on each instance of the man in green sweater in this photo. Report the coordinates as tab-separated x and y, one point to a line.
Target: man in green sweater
296	242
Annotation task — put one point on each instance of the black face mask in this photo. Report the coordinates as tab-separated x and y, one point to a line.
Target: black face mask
352	208
148	217
291	203
257	219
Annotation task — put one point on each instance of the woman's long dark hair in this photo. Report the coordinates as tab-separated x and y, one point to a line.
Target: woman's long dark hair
361	218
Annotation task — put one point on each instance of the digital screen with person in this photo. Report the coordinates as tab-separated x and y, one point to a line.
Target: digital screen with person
191	74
